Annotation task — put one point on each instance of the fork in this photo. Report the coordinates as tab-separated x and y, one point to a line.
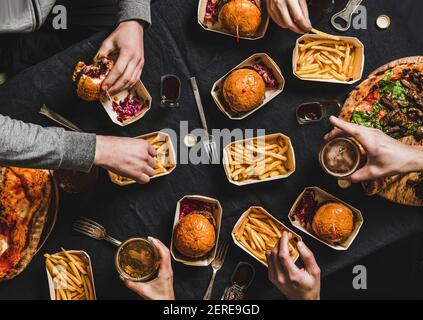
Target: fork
217	263
58	118
208	141
94	230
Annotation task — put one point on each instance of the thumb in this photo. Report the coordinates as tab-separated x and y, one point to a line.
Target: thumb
360	175
107	47
310	263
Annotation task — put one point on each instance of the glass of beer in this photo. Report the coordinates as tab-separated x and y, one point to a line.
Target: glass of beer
340	157
137	259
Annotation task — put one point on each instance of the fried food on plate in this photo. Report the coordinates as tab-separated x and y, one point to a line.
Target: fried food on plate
24	201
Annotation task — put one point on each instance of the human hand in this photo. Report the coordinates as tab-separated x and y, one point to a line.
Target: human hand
128	40
290	14
128	157
386	156
161	288
294	283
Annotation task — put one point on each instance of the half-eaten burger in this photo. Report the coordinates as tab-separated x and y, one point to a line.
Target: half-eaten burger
89	78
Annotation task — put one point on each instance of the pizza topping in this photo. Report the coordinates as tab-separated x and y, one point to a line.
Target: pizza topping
396	105
394	88
368	118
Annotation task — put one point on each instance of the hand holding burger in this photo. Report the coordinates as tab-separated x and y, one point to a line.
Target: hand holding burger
290	14
128	41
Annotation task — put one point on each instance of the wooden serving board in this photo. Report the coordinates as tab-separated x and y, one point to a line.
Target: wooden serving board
395	188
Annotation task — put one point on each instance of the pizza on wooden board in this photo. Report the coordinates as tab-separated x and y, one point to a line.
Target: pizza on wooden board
24	201
392	100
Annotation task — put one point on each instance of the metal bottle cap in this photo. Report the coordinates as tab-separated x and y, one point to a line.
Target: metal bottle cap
383	21
190	140
344	184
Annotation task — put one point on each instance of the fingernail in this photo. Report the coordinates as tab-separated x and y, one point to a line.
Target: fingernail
151	239
122	278
300	244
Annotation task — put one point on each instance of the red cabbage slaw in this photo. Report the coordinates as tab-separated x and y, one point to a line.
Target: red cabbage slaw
189	205
212	9
129	107
97	72
267	75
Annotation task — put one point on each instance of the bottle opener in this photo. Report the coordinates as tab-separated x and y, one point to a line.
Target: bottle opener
345	15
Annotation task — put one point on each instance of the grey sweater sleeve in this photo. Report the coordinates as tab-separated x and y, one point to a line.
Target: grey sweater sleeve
135	10
32	146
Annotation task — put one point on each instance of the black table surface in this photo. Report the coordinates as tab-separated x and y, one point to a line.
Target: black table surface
177	44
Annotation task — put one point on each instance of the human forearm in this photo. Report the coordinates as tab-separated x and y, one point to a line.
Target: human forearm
32	146
135	10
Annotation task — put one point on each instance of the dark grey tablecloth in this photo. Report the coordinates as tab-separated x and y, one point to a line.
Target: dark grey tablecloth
177	44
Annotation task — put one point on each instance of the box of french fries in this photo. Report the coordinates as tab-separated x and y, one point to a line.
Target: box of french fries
217	214
327	58
138	90
258	231
218	28
259	159
321	197
270	93
165	159
70	275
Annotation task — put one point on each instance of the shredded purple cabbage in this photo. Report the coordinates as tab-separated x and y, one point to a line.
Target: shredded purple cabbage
267	75
96	73
188	206
128	107
212	10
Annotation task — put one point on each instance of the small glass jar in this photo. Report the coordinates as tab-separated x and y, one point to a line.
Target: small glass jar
170	90
241	279
137	259
75	181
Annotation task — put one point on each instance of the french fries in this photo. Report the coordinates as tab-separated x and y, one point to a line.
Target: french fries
259	232
258	159
327	57
71	275
163	162
161	142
